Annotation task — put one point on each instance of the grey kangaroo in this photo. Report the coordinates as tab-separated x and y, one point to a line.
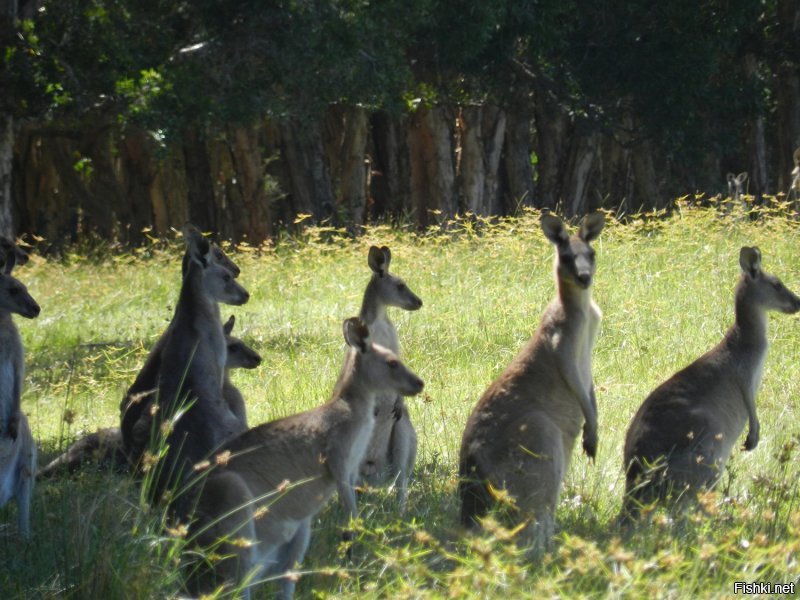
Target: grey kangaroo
17	448
292	466
392	449
191	372
683	434
135	418
104	447
521	434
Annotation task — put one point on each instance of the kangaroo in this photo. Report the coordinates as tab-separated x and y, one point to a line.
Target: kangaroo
135	422
318	451
191	370
392	449
17	448
104	447
683	434
736	185
794	186
521	434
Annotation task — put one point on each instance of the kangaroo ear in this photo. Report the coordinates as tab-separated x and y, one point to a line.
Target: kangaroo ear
750	261
387	257
228	326
730	178
741	177
554	229
591	226
356	334
9	262
377	260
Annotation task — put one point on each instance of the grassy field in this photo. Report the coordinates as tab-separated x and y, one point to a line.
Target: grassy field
665	286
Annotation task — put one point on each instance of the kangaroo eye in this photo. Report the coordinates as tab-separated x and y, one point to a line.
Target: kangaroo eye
226	278
401	287
393	364
13	291
778	285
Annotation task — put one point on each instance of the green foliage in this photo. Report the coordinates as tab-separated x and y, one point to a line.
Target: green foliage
665	285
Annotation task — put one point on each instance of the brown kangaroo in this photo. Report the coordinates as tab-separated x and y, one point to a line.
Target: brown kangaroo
521	434
683	434
17	447
317	452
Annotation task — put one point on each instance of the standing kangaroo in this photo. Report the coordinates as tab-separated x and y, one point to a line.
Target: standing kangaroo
736	185
135	421
521	434
318	452
17	448
191	371
104	446
683	434
392	449
794	185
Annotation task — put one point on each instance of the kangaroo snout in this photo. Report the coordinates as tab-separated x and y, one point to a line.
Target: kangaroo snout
30	310
584	279
415	386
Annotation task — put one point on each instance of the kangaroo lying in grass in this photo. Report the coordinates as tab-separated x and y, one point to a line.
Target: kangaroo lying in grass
104	447
684	432
280	474
520	436
392	448
17	448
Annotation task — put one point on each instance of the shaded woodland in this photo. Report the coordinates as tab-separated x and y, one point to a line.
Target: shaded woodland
121	116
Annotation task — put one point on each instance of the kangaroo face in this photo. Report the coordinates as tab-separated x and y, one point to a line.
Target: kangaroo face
222	259
380	368
390	290
575	260
14	296
240	355
221	285
763	289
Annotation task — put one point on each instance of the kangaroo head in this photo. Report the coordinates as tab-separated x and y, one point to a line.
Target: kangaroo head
736	184
377	368
8	246
240	355
389	289
575	262
192	234
14	296
762	289
218	282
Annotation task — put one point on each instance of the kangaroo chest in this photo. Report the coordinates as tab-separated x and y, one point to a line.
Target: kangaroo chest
10	377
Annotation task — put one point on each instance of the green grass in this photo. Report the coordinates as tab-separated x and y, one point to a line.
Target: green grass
665	286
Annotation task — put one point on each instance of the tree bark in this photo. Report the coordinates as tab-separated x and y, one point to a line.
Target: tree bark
517	161
352	197
8	21
482	132
431	151
757	183
249	169
200	192
391	169
788	90
577	182
552	131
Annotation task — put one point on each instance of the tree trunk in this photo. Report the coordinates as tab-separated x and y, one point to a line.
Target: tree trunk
200	193
580	167
517	162
430	146
757	184
391	169
552	131
8	21
308	177
249	171
352	197
788	90
136	150
483	131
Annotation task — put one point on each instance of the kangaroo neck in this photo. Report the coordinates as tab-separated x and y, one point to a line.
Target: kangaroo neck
573	298
349	387
749	332
193	302
372	309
